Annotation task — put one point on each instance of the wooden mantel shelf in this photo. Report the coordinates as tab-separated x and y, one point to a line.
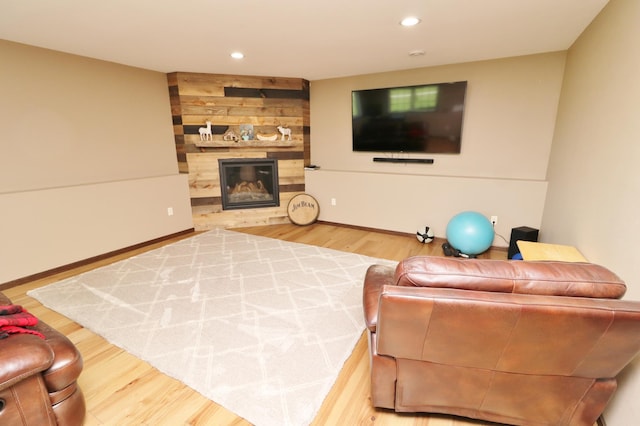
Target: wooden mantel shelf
250	143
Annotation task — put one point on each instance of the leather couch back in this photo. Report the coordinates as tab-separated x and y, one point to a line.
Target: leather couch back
548	278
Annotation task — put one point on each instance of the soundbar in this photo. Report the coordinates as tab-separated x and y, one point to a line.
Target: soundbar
403	160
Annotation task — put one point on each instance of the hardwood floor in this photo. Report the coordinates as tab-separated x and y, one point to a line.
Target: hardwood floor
123	390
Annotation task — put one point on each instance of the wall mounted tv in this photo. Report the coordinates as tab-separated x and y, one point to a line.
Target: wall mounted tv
425	118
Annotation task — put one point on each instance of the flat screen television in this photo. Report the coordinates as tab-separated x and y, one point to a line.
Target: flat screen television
425	118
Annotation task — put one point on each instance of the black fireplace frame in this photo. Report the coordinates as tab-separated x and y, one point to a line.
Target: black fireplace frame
261	165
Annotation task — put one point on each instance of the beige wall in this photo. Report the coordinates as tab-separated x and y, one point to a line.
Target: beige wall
88	161
594	180
507	133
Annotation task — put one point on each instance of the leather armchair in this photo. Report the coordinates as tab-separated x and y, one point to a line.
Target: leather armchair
38	379
523	343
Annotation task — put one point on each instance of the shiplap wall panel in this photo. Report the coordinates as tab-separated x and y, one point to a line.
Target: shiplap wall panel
229	101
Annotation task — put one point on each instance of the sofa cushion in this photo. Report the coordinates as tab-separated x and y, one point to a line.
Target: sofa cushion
543	277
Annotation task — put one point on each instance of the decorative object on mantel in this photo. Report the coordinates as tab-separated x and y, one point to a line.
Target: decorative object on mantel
230	136
246	132
303	209
205	132
285	131
262	137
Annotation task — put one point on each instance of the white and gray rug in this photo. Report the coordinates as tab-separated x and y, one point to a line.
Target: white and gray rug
260	326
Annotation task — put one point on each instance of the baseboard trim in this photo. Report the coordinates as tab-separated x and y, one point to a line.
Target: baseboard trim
64	268
364	228
437	240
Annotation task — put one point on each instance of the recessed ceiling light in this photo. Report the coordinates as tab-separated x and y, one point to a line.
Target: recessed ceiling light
237	55
416	53
410	21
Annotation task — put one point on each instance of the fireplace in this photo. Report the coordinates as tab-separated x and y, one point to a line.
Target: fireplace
248	183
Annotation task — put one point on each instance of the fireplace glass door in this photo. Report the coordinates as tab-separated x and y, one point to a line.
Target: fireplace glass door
249	183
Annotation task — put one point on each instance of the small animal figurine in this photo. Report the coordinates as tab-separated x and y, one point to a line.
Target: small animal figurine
205	132
285	131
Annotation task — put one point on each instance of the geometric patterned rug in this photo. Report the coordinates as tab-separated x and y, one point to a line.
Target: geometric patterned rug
258	325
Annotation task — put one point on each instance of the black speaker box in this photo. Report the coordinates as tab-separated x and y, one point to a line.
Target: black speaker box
523	233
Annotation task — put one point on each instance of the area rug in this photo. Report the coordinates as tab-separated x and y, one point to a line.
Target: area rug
258	325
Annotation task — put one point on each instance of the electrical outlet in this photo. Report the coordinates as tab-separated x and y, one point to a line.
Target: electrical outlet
494	220
333	201
169	211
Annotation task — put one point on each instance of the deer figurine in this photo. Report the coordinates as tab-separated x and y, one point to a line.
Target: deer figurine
285	131
205	132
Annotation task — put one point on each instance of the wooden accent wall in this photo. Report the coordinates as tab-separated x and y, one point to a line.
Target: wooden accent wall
229	101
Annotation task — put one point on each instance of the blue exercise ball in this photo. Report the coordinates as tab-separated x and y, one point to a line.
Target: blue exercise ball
470	232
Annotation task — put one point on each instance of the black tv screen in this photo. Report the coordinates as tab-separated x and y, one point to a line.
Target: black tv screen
425	118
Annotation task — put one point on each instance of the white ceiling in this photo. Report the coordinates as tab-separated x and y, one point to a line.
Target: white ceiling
312	39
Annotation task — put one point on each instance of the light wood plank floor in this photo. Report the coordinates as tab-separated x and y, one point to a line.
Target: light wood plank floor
123	390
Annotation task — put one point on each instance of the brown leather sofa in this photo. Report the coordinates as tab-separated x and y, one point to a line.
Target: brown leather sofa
523	343
38	379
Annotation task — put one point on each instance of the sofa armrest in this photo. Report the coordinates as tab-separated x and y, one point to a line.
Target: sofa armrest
376	278
21	356
549	278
